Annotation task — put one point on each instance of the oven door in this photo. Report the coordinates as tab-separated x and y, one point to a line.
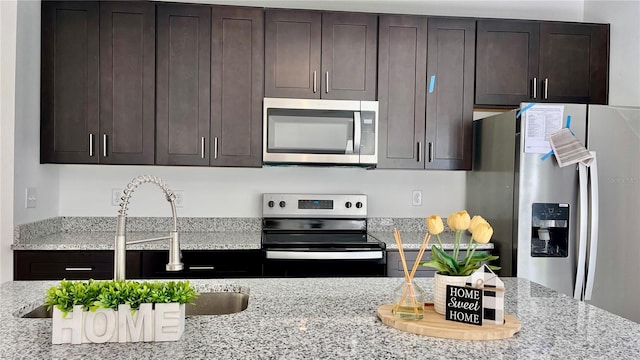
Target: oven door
346	260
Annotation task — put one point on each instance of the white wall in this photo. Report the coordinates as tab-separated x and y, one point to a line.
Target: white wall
624	77
227	192
68	190
29	172
215	192
7	110
561	10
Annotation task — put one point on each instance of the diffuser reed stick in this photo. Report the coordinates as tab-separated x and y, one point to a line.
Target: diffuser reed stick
409	276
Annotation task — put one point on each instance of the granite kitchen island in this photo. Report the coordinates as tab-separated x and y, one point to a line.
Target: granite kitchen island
333	318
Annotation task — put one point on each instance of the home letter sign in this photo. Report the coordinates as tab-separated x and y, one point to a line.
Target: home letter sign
464	305
164	323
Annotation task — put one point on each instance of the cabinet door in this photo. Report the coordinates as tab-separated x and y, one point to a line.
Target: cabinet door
70	85
574	62
204	264
450	77
395	268
402	56
182	84
349	56
292	53
237	78
70	264
507	58
127	82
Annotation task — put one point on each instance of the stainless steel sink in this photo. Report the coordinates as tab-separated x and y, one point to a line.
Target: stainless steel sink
218	303
212	303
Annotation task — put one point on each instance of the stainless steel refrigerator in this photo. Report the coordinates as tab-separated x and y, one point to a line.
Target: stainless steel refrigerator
575	229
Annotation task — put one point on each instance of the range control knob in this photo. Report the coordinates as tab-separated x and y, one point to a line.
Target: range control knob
283	204
271	203
358	204
347	204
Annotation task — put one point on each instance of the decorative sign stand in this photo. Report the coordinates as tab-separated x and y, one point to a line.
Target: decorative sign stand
493	294
481	302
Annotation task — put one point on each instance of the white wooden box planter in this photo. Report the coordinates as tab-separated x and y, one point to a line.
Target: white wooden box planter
152	322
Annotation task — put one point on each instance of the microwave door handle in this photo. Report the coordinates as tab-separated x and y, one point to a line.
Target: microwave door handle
357	132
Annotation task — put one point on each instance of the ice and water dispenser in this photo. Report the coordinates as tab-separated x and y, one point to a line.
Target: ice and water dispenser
550	230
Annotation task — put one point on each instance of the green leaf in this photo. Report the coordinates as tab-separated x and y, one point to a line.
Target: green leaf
448	260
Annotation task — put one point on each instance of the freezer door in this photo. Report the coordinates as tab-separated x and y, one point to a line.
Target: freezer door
542	184
614	134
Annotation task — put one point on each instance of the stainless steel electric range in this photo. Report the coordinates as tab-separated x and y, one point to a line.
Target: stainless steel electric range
319	235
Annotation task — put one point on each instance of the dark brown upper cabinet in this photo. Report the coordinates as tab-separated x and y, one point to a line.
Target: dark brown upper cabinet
425	92
507	61
574	63
518	61
329	55
402	72
98	90
450	76
127	82
237	82
183	79
69	110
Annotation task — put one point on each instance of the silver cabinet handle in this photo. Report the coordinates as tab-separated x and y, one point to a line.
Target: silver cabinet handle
78	269
357	130
315	87
215	147
535	87
104	145
90	144
202	267
202	147
546	88
419	150
326	77
430	152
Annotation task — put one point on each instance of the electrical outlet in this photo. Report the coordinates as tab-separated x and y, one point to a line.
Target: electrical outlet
116	195
416	198
179	198
31	197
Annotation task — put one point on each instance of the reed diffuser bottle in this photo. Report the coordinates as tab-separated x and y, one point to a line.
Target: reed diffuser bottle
408	299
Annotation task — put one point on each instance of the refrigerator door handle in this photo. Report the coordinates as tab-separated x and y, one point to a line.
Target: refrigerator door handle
582	232
593	230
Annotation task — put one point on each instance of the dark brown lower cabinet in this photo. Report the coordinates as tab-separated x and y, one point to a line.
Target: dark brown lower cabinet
203	264
70	264
394	263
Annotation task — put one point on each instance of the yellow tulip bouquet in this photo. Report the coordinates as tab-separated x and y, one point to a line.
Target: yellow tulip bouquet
460	221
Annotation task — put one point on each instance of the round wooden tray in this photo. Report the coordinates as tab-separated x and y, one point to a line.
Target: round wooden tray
434	324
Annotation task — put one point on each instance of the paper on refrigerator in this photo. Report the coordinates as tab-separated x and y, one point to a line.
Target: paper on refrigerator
540	121
569	150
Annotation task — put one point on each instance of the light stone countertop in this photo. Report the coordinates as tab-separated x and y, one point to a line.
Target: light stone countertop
103	240
97	233
211	240
334	318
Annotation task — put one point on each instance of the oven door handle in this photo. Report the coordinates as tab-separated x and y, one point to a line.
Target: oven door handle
324	255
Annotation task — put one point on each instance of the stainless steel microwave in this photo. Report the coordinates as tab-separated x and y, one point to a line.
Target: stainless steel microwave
310	131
